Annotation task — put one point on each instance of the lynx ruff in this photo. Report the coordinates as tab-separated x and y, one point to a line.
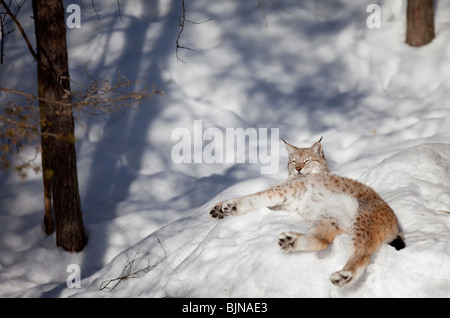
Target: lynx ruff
333	204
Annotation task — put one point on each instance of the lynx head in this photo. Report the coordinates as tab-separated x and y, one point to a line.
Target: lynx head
306	160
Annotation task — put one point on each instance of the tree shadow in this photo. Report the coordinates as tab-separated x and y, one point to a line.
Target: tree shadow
118	149
309	106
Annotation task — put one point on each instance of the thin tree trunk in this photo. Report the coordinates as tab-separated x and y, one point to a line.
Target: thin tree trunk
57	127
420	22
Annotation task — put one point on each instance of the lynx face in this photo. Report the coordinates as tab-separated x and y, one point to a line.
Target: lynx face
306	160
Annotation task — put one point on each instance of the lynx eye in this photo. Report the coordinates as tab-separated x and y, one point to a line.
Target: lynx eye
306	161
294	161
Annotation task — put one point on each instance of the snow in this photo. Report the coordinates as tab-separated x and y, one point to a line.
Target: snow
315	70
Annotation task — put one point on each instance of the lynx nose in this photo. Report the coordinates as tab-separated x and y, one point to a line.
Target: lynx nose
298	169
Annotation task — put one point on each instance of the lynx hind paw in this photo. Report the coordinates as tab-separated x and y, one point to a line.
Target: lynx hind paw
287	241
222	209
341	278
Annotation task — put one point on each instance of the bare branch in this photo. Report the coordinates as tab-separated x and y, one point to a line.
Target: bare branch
19	26
119	7
127	271
99	17
17	92
181	20
20	124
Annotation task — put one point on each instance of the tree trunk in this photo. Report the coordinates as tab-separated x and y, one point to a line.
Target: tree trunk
57	127
420	22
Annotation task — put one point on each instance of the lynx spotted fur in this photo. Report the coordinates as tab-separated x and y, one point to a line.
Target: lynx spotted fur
334	204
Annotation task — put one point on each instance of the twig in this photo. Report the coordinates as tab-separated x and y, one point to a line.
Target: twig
103	96
165	253
119	6
181	20
127	272
20	123
15	91
99	17
19	26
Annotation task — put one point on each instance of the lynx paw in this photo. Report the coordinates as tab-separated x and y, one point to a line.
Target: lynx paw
341	278
222	209
287	241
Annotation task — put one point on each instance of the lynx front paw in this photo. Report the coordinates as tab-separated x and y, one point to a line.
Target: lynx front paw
341	278
287	241
216	212
222	209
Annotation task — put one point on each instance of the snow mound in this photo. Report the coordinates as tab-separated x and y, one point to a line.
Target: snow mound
196	256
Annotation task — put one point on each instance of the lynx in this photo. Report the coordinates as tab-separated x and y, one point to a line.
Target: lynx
332	203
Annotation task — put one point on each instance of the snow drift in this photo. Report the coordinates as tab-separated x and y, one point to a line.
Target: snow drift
307	68
239	255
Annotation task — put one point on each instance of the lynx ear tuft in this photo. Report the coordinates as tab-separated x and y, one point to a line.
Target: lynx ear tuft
317	148
290	149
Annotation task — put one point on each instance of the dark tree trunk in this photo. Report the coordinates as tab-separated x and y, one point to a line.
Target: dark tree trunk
57	127
420	22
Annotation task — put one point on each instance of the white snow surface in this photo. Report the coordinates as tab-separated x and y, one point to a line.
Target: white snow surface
306	68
